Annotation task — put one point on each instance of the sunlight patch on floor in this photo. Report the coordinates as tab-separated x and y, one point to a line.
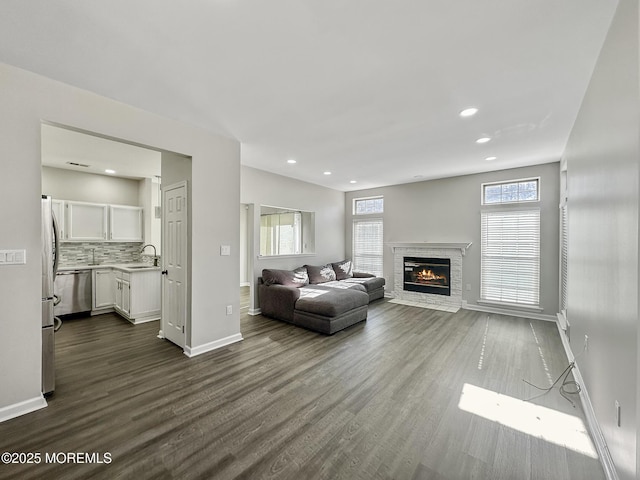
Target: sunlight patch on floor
540	422
484	344
542	359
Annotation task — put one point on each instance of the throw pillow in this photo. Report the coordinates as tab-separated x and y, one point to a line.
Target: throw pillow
320	274
343	269
289	278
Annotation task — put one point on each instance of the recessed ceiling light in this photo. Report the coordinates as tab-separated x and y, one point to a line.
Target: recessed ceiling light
353	181
490	158
327	173
469	112
291	161
483	140
108	170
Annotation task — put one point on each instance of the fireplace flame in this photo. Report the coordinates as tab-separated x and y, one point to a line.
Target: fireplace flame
428	275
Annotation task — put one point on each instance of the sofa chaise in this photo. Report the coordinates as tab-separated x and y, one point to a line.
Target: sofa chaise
325	298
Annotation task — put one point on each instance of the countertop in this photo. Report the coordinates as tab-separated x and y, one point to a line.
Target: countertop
125	267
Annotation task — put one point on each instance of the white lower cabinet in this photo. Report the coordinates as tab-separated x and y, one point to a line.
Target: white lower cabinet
104	289
137	295
122	302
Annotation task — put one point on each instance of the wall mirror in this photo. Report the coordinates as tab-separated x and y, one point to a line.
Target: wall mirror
286	231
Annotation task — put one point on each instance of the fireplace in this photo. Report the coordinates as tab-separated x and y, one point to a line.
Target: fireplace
427	275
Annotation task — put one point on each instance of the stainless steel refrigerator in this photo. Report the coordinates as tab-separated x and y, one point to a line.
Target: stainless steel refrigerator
50	253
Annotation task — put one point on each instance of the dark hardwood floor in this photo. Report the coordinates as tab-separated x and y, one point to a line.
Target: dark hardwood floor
409	394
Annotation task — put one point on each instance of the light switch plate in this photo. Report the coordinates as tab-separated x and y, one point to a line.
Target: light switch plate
225	250
13	257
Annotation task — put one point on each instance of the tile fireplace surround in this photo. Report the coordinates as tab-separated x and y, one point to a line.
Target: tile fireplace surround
453	251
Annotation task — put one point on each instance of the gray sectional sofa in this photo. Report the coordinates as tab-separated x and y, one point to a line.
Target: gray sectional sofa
325	298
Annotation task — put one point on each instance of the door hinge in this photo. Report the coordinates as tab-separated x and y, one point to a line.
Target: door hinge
182	328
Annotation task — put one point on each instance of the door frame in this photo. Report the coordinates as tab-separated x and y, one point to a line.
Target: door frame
187	300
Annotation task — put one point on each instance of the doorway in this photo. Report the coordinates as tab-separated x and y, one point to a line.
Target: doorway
85	167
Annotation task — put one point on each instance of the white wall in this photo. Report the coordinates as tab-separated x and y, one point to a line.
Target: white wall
27	99
263	188
448	210
88	187
602	158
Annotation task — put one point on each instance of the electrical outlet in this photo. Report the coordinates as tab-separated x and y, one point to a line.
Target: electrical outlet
617	413
586	342
229	309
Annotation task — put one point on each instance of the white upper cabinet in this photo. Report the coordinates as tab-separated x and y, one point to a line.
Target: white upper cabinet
92	222
125	223
86	221
58	211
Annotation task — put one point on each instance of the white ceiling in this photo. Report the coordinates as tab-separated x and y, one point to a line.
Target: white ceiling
369	90
61	148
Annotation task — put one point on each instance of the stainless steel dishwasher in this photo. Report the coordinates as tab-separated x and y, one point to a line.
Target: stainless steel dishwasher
73	287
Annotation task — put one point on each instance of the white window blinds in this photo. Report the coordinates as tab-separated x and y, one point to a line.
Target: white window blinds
564	256
510	270
367	246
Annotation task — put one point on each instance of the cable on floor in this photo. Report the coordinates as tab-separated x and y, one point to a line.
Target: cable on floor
567	387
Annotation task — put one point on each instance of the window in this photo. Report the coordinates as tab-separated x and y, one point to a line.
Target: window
511	192
366	206
564	256
281	233
367	246
510	257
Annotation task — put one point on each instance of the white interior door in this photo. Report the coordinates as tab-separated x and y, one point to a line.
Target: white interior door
174	259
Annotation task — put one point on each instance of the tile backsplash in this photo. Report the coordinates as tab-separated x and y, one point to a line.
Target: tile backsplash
82	253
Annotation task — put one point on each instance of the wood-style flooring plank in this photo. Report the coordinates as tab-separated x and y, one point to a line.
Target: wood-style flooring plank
382	399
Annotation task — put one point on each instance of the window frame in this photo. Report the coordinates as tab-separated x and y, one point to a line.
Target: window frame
535	303
359	199
368	219
483	188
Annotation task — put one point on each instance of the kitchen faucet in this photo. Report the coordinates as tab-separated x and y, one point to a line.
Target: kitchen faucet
155	254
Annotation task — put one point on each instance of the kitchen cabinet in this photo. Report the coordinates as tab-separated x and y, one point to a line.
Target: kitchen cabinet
125	223
123	295
86	221
91	222
58	211
104	289
137	295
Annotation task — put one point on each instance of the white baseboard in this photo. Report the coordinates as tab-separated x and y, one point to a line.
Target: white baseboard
208	347
254	311
22	408
245	284
138	321
592	422
506	311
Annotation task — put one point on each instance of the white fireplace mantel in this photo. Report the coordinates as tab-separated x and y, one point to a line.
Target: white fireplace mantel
453	251
457	246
